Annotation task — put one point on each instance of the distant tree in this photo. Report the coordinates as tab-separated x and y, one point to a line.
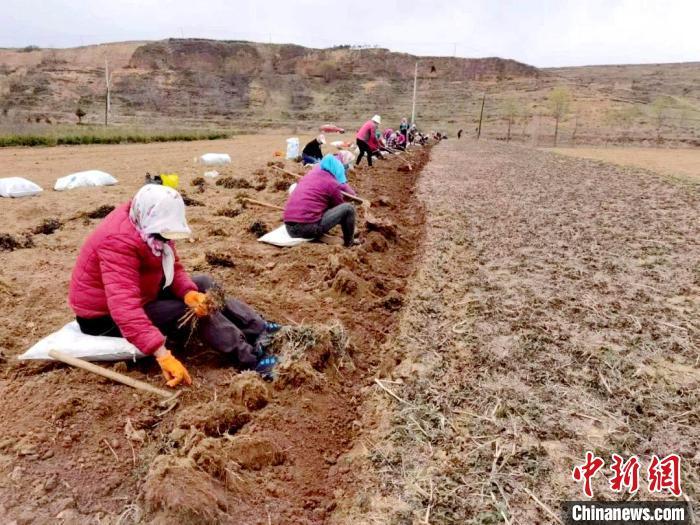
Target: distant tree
558	102
621	118
659	112
511	111
80	113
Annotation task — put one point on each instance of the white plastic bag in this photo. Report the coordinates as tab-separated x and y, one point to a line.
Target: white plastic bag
84	179
70	340
280	237
215	159
211	174
18	187
292	148
338	143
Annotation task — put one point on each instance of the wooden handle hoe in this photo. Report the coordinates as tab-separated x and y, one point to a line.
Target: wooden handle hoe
167	395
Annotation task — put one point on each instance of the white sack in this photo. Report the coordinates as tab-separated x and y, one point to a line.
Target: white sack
18	187
280	237
292	148
215	159
84	179
70	340
211	174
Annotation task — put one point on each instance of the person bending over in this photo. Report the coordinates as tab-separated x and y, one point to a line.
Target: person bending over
365	136
128	282
312	154
316	205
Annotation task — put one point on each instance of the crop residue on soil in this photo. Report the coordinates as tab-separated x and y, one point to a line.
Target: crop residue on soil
554	312
237	449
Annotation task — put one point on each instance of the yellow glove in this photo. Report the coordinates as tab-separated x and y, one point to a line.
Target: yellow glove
173	370
198	302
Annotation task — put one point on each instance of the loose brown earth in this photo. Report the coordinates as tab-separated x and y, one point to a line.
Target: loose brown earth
551	309
236	450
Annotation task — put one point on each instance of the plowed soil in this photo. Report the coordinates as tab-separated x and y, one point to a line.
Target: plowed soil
80	449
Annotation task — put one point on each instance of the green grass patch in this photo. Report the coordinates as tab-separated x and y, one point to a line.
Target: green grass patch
75	139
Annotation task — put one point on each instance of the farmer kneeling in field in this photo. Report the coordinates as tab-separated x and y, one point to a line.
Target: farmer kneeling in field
312	154
128	282
316	205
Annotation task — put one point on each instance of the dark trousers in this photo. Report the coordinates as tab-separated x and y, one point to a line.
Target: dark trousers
364	148
233	330
307	159
343	214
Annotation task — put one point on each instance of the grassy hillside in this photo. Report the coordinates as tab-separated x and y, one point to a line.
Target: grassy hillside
192	83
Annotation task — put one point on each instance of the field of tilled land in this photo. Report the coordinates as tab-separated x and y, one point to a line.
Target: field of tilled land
79	449
554	311
515	309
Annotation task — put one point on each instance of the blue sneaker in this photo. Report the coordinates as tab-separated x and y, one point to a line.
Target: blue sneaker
271	327
266	366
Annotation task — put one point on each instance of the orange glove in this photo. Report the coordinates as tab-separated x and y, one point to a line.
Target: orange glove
198	302
173	370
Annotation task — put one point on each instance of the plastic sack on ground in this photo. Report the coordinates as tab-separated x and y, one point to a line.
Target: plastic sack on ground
18	187
214	159
292	148
211	174
84	179
70	340
280	237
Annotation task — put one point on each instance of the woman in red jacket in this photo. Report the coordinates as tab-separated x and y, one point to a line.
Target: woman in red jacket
128	282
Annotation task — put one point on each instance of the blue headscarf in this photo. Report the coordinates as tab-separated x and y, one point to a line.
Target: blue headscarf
334	167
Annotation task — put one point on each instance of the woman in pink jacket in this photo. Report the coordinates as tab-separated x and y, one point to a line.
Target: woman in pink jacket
128	282
366	139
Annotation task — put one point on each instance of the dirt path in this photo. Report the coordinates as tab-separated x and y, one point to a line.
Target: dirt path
79	449
678	162
555	311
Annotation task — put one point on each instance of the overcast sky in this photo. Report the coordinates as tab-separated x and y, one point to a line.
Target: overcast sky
539	32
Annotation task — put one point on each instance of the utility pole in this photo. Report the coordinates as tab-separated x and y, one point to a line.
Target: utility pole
108	81
415	85
481	116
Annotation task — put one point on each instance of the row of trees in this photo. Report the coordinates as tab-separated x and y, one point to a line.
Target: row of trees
559	104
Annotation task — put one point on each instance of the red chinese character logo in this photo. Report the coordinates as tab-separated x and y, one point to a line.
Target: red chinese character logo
665	474
586	471
625	474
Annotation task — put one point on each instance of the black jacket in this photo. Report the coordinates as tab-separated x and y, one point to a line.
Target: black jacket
313	149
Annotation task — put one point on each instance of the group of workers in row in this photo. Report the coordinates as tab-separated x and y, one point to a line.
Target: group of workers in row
129	282
370	141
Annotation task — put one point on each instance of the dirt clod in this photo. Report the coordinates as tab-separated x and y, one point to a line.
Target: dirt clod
255	453
47	227
189	201
258	228
10	243
281	185
177	487
101	212
376	242
224	260
233	183
200	183
384	226
228	212
212	418
346	282
249	390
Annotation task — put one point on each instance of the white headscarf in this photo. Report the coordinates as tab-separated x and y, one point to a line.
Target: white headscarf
160	210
